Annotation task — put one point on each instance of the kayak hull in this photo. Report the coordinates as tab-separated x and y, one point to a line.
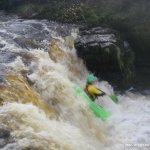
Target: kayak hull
96	109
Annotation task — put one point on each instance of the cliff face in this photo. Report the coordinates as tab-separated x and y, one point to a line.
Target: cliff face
106	54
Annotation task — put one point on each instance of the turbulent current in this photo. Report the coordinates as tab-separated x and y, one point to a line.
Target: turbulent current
39	109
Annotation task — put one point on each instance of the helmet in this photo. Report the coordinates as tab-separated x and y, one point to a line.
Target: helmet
91	78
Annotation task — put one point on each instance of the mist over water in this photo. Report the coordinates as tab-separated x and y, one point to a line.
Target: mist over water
39	108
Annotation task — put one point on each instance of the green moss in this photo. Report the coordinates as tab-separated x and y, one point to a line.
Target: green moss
107	50
119	58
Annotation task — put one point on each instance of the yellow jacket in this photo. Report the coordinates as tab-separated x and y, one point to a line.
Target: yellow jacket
93	91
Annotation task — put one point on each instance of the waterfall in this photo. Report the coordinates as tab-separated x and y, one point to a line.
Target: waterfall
39	108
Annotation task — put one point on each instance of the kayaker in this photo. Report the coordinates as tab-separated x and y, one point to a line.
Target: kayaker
91	89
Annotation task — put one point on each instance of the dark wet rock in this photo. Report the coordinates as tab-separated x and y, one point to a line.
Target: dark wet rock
26	42
7	56
5	137
27	58
100	37
4	134
2	72
106	54
1	45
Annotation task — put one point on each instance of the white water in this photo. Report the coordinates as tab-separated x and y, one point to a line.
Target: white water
75	127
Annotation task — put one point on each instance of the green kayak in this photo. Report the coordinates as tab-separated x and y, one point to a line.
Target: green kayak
97	110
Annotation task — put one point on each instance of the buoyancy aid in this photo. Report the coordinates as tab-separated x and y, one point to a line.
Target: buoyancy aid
93	91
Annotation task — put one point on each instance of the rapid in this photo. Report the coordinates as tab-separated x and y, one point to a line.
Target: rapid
39	109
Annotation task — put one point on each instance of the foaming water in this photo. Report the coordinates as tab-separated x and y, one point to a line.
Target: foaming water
32	129
39	108
53	83
131	124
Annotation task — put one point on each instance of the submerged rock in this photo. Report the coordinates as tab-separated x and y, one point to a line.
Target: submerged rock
5	137
4	134
55	52
68	57
69	40
26	42
105	53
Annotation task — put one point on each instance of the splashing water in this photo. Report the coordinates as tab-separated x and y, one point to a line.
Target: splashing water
39	109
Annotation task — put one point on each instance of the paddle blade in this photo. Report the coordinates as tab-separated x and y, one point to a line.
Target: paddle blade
114	98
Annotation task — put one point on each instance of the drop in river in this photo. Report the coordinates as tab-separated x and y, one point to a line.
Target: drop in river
39	108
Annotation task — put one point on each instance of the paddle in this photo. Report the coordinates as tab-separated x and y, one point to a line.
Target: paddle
113	96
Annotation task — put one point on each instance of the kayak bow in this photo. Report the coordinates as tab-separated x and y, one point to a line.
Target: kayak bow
97	110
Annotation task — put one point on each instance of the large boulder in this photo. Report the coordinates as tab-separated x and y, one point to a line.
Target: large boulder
106	54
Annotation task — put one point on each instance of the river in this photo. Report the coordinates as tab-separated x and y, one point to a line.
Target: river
39	109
